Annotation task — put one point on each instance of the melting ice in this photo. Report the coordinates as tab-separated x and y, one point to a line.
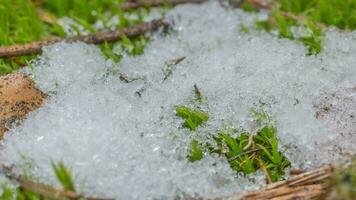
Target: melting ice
123	139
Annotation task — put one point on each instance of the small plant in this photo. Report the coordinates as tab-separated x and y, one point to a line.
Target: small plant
245	153
63	176
192	118
195	152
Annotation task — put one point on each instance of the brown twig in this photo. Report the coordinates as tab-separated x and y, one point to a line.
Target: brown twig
155	3
110	36
308	185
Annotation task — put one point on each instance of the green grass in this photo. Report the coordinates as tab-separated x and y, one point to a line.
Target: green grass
344	182
192	118
244	153
63	176
338	13
262	154
315	16
20	23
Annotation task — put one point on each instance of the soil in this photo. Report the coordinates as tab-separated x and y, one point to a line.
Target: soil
18	97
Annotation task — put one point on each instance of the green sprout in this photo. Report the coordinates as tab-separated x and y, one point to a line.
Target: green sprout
195	152
64	176
192	118
245	153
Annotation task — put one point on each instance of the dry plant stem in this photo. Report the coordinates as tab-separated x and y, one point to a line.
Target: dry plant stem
43	189
265	171
110	36
308	185
155	3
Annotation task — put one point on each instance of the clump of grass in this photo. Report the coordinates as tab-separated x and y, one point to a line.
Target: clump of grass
338	13
262	154
246	153
22	21
19	24
7	193
63	176
314	16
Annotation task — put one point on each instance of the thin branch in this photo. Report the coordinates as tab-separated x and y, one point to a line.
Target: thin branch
308	185
110	36
155	3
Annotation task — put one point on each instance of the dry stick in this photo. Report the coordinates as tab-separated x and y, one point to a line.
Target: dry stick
155	3
308	185
43	189
110	36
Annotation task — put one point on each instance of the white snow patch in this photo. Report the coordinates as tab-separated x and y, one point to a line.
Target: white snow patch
123	145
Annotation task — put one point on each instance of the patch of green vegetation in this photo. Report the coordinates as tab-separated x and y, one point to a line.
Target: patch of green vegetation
107	50
344	182
63	175
134	46
195	151
314	39
312	16
25	21
248	7
246	153
87	11
18	24
7	193
246	156
192	118
338	13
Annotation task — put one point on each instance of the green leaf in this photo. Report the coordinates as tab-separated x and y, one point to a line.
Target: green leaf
193	118
195	152
64	176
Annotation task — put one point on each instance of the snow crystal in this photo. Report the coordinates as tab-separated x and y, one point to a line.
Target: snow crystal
123	139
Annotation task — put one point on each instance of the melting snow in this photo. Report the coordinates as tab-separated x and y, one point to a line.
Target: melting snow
123	140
